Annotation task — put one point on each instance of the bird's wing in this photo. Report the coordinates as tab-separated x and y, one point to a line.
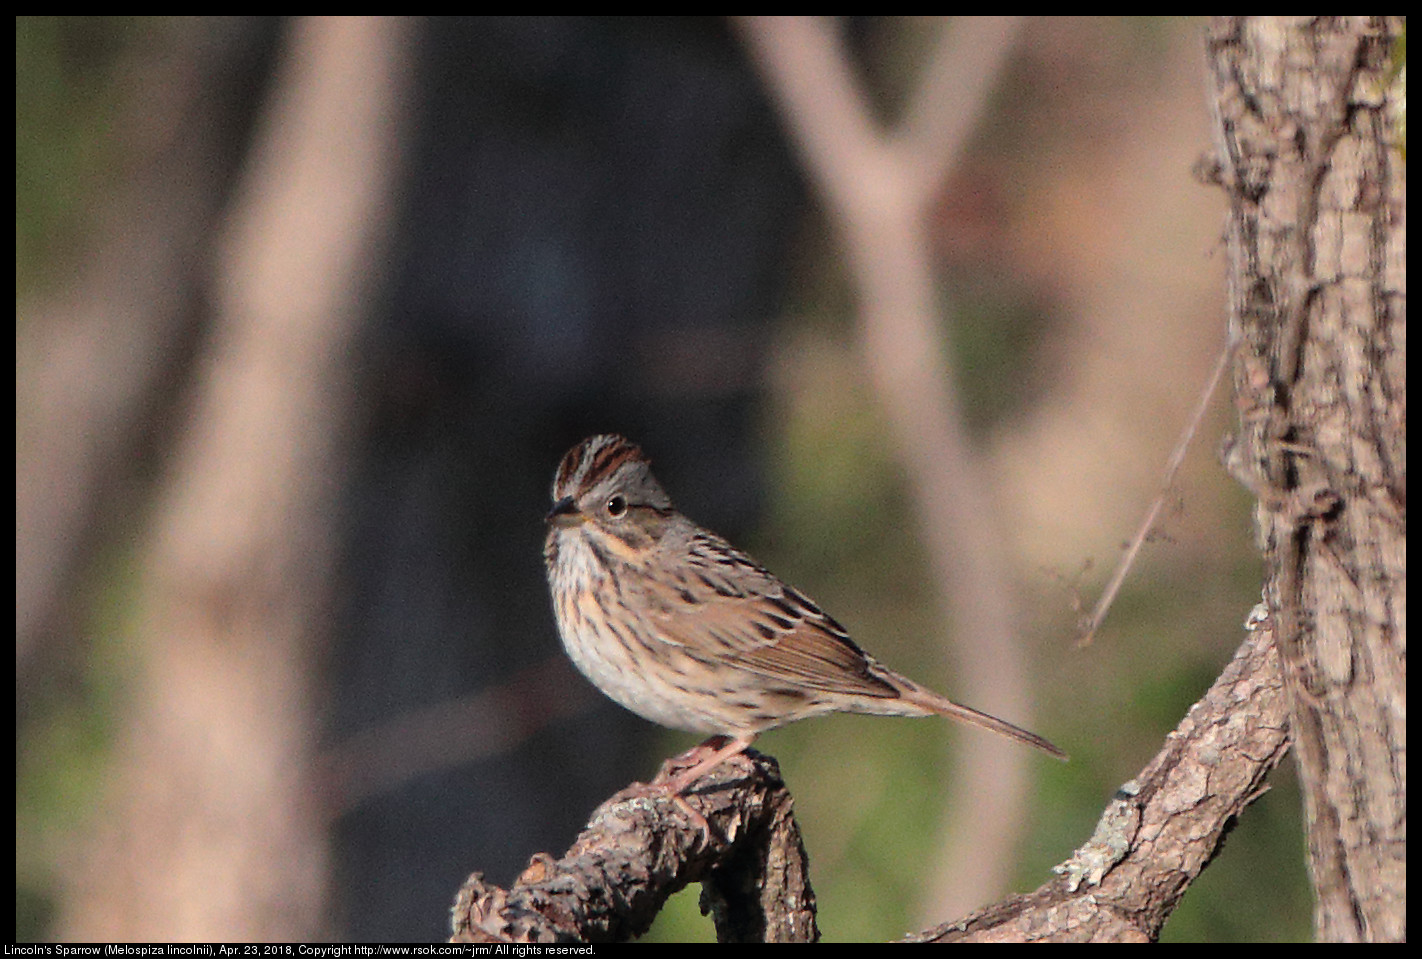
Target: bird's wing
721	605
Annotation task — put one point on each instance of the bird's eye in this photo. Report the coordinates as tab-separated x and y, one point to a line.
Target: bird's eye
616	505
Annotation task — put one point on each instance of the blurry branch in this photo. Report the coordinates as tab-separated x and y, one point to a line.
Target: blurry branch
214	753
448	734
877	190
641	848
98	361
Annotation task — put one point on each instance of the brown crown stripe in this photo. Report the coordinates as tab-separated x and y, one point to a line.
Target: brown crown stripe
616	452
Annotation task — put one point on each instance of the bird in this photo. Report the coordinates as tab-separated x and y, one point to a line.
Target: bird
677	625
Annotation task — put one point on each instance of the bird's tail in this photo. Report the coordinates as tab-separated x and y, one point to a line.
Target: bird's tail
944	706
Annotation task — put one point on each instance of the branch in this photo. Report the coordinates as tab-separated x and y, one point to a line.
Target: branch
1164	826
1154	838
641	847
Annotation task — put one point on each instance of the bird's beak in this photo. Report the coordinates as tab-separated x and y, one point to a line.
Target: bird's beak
564	513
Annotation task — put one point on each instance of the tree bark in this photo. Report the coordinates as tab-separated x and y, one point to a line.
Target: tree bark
1310	155
735	833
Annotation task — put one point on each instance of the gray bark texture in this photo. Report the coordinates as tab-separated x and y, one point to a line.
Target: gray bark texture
1310	125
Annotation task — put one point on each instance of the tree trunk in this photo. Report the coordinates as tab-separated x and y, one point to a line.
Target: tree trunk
1310	152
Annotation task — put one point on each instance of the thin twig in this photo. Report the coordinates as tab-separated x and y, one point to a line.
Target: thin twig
1172	467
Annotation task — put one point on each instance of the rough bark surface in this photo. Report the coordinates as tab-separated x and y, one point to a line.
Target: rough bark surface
642	846
1310	155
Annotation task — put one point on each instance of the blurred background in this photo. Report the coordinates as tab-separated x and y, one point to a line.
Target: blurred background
306	314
